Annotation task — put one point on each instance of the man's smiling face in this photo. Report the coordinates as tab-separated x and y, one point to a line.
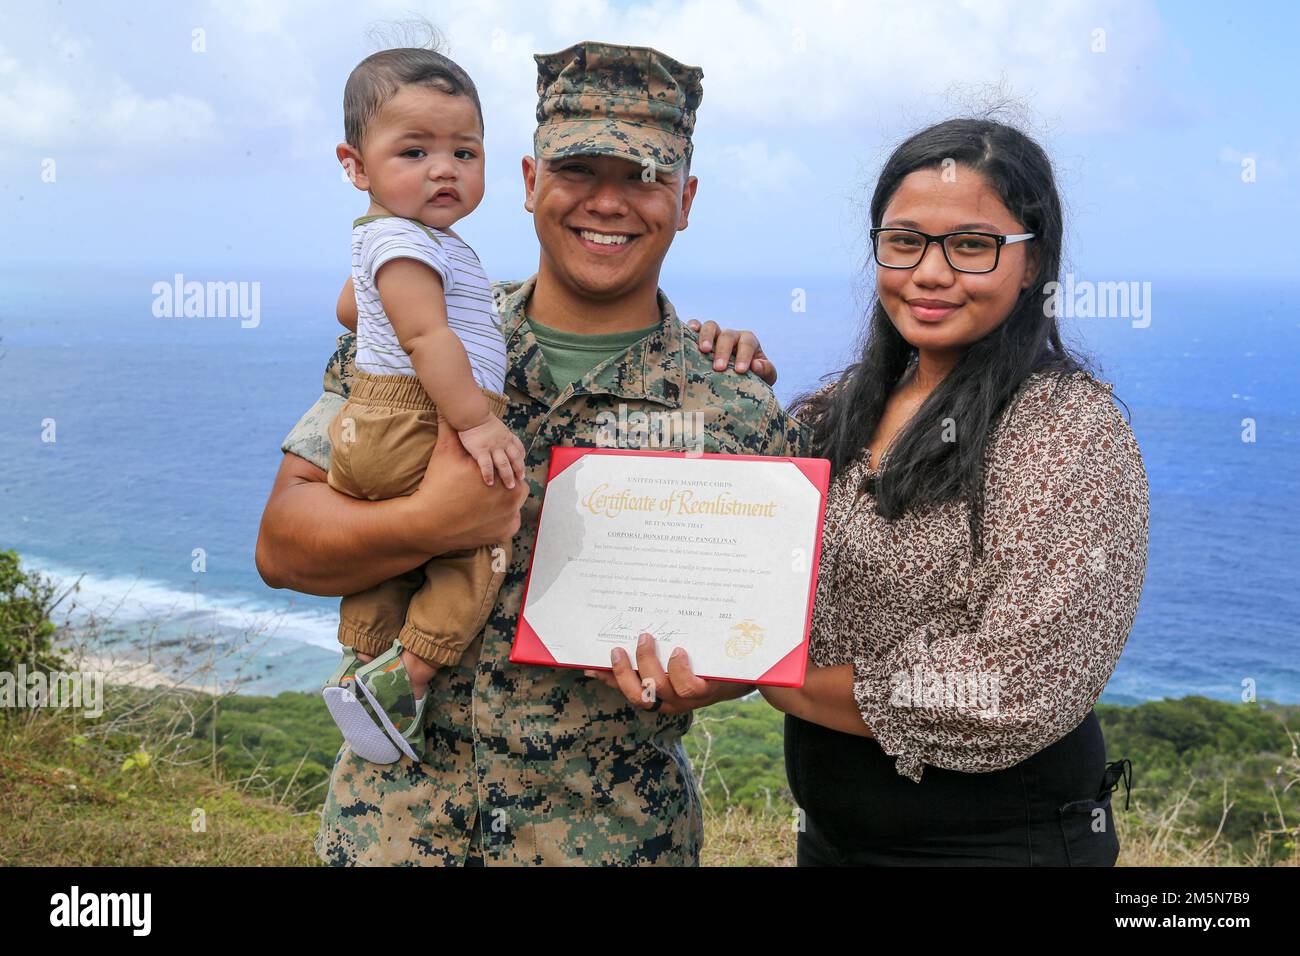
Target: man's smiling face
604	228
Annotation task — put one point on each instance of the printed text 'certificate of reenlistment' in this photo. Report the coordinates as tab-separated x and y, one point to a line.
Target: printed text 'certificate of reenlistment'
714	553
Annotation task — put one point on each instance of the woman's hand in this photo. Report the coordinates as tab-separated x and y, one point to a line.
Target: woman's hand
722	342
678	688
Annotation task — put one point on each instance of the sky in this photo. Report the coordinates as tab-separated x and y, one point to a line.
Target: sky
200	135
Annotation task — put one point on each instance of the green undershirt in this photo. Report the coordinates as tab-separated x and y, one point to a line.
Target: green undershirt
571	355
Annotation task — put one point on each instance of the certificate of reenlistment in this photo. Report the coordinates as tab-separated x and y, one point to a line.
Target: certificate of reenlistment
714	553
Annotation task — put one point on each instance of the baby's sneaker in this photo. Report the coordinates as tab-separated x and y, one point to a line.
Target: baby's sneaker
362	731
386	688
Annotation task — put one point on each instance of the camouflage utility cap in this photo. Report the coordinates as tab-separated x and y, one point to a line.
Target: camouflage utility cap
602	99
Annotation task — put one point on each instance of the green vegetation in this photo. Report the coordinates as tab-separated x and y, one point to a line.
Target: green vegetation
26	602
125	789
290	739
71	800
173	776
1227	768
1191	758
161	777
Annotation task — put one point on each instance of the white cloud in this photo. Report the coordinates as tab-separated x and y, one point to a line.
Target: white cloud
777	64
257	16
753	167
772	69
69	48
775	70
81	107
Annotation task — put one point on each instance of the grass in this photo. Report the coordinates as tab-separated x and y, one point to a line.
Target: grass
145	787
70	801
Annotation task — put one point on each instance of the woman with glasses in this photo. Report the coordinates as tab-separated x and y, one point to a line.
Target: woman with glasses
985	538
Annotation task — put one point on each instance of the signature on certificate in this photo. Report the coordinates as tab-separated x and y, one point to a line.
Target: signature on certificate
622	626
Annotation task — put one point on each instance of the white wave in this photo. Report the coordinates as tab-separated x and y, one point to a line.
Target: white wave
124	600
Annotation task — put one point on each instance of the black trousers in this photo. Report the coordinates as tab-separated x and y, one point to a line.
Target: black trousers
1051	809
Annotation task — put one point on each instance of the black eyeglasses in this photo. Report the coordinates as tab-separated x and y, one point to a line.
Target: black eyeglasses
965	251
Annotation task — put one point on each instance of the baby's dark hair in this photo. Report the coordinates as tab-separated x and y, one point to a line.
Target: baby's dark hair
379	76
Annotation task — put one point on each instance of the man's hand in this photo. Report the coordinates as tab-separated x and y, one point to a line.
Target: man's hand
721	342
320	541
678	688
454	484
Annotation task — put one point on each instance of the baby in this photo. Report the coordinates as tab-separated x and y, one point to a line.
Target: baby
429	342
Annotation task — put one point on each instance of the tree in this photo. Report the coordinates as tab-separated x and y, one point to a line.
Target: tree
26	633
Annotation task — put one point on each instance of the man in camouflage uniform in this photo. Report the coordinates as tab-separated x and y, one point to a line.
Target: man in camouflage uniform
536	765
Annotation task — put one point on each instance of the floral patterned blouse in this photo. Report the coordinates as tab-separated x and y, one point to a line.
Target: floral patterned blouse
976	666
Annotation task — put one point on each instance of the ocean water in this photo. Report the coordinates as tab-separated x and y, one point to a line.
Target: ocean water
166	436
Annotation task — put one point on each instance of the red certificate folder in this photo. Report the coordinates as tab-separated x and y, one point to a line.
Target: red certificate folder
528	646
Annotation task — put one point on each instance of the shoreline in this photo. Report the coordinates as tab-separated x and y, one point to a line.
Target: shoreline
145	630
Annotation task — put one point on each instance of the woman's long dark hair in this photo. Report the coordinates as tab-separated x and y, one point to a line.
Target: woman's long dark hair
924	469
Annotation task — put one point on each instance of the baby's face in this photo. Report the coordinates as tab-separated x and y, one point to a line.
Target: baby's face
423	156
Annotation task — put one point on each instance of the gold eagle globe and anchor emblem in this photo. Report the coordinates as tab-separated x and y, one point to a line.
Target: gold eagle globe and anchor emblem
745	638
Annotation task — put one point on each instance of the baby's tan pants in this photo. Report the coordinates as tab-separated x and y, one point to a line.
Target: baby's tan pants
382	439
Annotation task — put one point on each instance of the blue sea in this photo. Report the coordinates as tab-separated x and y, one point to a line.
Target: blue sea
166	435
